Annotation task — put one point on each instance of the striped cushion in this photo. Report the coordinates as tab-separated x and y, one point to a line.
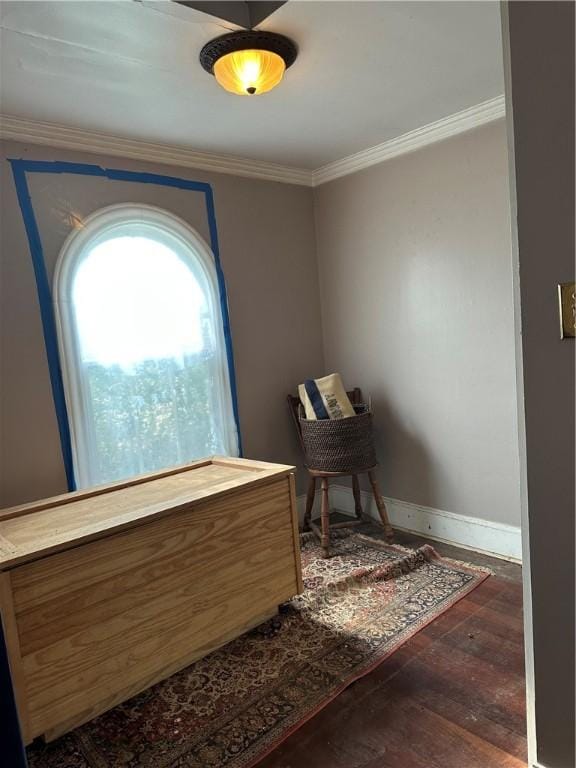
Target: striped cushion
325	398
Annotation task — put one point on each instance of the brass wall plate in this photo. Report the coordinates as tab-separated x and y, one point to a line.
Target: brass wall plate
567	302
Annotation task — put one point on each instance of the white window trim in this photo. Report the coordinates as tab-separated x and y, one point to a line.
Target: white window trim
101	223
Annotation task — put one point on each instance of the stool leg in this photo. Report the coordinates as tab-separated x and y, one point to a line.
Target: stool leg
325	514
311	493
388	530
357	498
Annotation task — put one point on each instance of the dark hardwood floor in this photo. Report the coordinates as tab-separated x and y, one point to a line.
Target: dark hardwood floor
451	697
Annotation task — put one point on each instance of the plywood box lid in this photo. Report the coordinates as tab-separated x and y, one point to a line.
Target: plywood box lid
42	527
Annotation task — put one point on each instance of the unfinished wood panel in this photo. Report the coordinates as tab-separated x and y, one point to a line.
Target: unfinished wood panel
197	570
84	714
123	506
77	692
12	641
139	626
203	526
247	465
100	619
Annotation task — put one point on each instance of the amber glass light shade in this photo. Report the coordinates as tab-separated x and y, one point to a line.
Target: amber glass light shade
249	72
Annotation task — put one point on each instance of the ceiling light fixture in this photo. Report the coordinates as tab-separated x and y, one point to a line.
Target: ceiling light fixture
248	63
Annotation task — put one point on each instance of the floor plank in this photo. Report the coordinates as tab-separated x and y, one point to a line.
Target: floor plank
451	697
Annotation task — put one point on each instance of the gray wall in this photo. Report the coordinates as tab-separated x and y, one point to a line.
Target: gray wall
266	234
540	85
416	283
414	262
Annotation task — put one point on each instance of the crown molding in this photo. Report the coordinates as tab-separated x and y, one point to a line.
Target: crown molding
459	122
65	137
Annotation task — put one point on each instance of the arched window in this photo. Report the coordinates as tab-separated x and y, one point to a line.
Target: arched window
142	346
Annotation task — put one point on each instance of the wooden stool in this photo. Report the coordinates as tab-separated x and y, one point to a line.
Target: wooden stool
323	533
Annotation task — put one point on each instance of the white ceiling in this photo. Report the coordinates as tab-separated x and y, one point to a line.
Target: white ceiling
366	73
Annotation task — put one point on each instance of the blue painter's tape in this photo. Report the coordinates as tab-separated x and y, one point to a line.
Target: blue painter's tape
54	166
154	178
115	174
19	169
47	316
224	307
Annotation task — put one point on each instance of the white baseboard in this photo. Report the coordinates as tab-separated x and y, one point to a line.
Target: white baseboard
496	539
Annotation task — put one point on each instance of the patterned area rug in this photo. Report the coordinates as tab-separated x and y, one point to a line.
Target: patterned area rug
233	707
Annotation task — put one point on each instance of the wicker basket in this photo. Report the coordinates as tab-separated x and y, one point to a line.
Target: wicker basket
339	445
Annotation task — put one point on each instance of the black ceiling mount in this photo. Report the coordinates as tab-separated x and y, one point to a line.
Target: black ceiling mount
245	14
241	41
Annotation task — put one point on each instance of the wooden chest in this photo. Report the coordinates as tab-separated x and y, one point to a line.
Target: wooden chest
107	591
